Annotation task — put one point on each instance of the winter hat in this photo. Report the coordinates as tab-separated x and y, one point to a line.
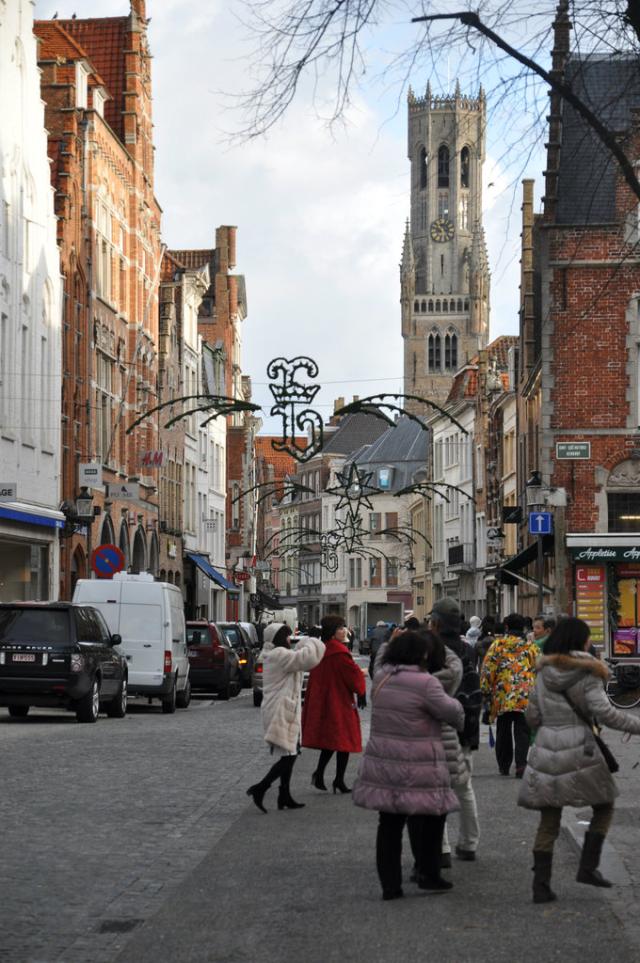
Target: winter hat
475	621
380	623
272	630
446	608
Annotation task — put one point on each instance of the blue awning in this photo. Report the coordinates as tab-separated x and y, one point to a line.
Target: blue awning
205	566
31	518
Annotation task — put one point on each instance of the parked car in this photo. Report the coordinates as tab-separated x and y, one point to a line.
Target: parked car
243	648
213	662
257	682
149	617
252	634
57	654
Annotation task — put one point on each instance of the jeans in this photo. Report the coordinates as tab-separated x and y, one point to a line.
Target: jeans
550	819
505	741
469	831
425	834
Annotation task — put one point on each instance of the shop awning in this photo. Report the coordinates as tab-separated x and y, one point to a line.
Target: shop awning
205	566
528	555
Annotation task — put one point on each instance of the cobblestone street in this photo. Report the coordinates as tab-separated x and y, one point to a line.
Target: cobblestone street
133	840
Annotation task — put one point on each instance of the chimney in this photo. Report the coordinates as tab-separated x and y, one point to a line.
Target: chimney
356	398
338	403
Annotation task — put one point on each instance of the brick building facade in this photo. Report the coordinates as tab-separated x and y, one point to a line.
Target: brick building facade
96	84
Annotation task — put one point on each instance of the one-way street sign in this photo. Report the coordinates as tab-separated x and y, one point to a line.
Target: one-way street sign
540	523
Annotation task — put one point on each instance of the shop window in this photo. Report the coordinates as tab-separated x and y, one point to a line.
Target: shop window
624	511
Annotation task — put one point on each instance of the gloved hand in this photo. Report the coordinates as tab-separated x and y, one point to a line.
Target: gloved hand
362	702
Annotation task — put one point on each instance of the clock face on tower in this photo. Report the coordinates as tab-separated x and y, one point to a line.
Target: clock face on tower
442	230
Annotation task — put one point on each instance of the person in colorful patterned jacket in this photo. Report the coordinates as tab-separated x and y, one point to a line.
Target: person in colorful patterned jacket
508	674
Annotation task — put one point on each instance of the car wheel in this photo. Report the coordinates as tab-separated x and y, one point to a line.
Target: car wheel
88	707
18	712
225	692
169	702
117	708
184	698
257	698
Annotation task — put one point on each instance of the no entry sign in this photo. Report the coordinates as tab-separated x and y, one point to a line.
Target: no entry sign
106	560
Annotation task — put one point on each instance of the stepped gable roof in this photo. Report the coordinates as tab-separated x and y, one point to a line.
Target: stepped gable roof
193	259
610	87
498	350
56	43
104	39
404	447
353	432
465	382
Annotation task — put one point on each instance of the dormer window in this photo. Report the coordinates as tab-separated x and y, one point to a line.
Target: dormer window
99	98
82	84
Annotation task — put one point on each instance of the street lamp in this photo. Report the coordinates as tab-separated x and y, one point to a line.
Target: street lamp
535	501
84	506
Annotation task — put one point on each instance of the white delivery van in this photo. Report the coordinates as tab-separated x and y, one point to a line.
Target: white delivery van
149	616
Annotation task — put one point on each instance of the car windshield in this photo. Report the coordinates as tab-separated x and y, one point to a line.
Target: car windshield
33	625
232	634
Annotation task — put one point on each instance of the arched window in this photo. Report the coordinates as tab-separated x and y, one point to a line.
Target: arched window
466	305
422	167
437	306
431	305
451	351
452	306
445	305
459	305
139	563
416	306
443	166
434	348
107	535
123	544
423	306
464	167
154	555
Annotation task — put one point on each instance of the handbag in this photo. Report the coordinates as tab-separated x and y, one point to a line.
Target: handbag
611	761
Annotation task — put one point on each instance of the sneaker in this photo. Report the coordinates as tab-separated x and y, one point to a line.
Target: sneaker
466	855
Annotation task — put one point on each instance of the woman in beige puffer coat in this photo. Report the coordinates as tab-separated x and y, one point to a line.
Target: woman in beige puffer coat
565	766
283	670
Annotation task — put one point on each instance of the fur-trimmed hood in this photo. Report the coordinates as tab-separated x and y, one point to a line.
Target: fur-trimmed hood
560	672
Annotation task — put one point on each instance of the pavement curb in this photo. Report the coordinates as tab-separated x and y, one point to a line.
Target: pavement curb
574	825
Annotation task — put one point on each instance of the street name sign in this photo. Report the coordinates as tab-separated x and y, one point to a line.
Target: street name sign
540	523
573	450
8	491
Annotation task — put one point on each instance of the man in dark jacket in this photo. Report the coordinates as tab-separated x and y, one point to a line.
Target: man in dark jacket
445	619
379	635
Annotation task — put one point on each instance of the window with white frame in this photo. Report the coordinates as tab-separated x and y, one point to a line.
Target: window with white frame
99	98
82	84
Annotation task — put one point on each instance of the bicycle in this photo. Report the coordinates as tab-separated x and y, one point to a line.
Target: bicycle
623	688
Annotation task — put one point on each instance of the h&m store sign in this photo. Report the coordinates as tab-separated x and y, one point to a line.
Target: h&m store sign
611	553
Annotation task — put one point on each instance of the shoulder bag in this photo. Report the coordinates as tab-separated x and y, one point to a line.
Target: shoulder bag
609	757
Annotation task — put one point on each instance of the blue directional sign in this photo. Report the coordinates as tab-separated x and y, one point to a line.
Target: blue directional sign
540	523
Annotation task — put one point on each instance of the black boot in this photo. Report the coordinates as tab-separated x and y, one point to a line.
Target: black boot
588	871
286	802
284	796
542	892
257	793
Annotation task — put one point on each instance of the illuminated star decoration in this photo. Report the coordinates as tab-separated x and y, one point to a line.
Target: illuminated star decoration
353	490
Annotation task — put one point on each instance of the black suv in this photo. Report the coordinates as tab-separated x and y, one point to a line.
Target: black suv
62	655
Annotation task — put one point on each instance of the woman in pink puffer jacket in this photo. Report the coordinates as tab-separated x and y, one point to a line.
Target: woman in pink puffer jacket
404	773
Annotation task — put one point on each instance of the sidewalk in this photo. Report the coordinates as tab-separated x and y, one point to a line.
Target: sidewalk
301	886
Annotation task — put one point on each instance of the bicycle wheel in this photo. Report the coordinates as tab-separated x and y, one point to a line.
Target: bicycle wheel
622	696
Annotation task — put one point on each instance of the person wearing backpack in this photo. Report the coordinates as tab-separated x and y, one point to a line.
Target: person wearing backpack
445	620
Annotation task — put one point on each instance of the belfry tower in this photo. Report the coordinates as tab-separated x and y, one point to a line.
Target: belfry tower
444	273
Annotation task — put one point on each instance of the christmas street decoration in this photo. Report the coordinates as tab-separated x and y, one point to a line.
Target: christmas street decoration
291	394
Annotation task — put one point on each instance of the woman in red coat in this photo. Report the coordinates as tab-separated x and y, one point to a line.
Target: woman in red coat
330	720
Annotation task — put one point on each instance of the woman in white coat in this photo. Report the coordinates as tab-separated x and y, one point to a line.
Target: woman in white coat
283	669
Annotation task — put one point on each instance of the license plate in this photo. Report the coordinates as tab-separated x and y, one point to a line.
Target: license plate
23	658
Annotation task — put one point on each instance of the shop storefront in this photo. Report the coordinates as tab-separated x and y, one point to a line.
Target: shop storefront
606	582
29	550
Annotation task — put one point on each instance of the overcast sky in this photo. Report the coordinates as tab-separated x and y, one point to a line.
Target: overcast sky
320	216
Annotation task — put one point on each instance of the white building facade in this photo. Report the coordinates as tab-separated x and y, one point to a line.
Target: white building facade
30	325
